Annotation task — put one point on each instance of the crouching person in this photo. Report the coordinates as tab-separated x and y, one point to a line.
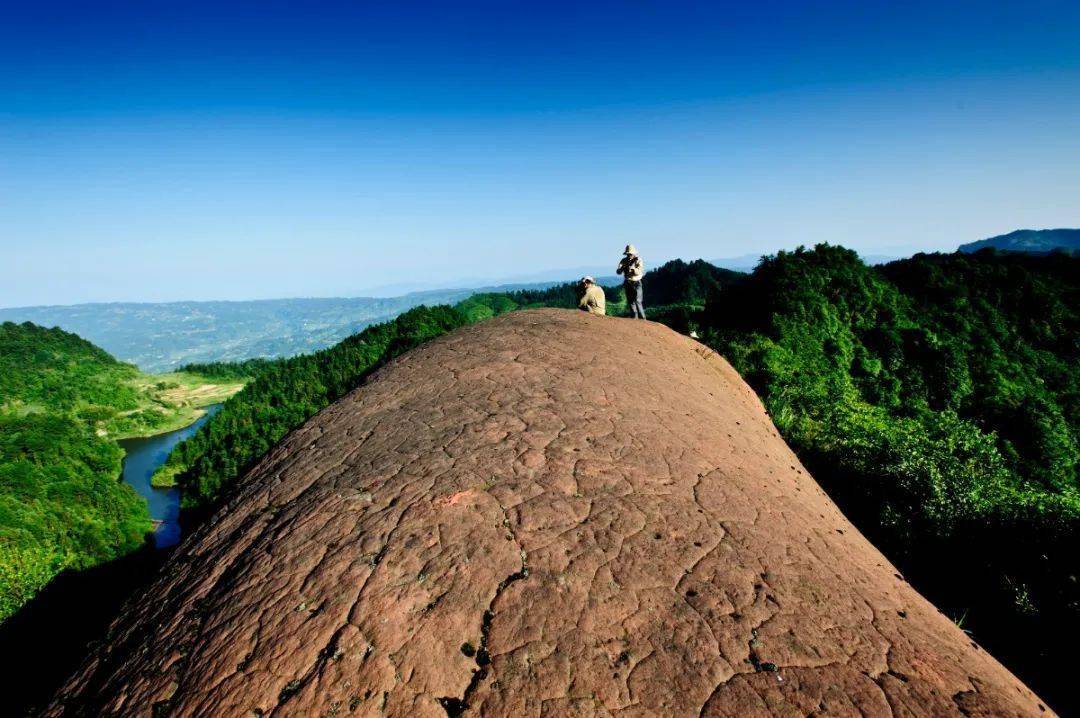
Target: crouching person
591	297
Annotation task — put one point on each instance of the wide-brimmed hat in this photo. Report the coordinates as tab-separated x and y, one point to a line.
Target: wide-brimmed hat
630	249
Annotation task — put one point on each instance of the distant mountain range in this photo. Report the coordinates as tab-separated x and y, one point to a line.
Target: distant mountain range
161	337
1031	241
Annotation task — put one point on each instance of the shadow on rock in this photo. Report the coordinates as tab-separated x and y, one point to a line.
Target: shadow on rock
48	638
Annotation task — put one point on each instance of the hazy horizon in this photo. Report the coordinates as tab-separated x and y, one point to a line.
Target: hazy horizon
388	291
238	151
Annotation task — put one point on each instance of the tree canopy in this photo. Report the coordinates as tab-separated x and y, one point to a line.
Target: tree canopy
935	399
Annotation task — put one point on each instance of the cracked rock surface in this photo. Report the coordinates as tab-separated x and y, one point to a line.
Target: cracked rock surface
546	514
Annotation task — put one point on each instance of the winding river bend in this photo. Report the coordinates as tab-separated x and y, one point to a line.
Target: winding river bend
142	456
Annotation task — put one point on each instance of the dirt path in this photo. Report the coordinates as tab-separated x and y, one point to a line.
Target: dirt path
546	514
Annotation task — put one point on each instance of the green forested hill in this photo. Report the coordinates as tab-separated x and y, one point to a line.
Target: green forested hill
62	403
53	368
935	398
686	283
61	503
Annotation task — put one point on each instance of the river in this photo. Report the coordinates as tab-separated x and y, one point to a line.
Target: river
142	456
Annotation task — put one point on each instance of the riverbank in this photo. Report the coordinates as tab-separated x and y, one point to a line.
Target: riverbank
169	402
191	395
165	476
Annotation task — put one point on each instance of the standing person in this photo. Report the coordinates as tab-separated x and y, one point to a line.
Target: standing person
633	269
591	297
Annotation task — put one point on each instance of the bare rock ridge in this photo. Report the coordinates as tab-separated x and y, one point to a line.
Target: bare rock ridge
545	514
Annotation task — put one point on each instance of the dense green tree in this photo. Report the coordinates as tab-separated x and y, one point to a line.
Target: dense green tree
935	399
227	370
1011	326
686	283
61	503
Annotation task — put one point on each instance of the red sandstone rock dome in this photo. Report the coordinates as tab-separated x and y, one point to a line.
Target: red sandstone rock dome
546	514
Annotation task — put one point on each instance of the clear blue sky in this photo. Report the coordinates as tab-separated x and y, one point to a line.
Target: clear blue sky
157	150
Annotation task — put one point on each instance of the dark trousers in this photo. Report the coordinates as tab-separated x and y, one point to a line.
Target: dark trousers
635	299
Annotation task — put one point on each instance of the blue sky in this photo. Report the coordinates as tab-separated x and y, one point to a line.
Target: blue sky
178	150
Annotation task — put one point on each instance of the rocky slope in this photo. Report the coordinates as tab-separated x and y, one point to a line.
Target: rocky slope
548	513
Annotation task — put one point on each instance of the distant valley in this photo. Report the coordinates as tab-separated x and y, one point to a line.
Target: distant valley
163	337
